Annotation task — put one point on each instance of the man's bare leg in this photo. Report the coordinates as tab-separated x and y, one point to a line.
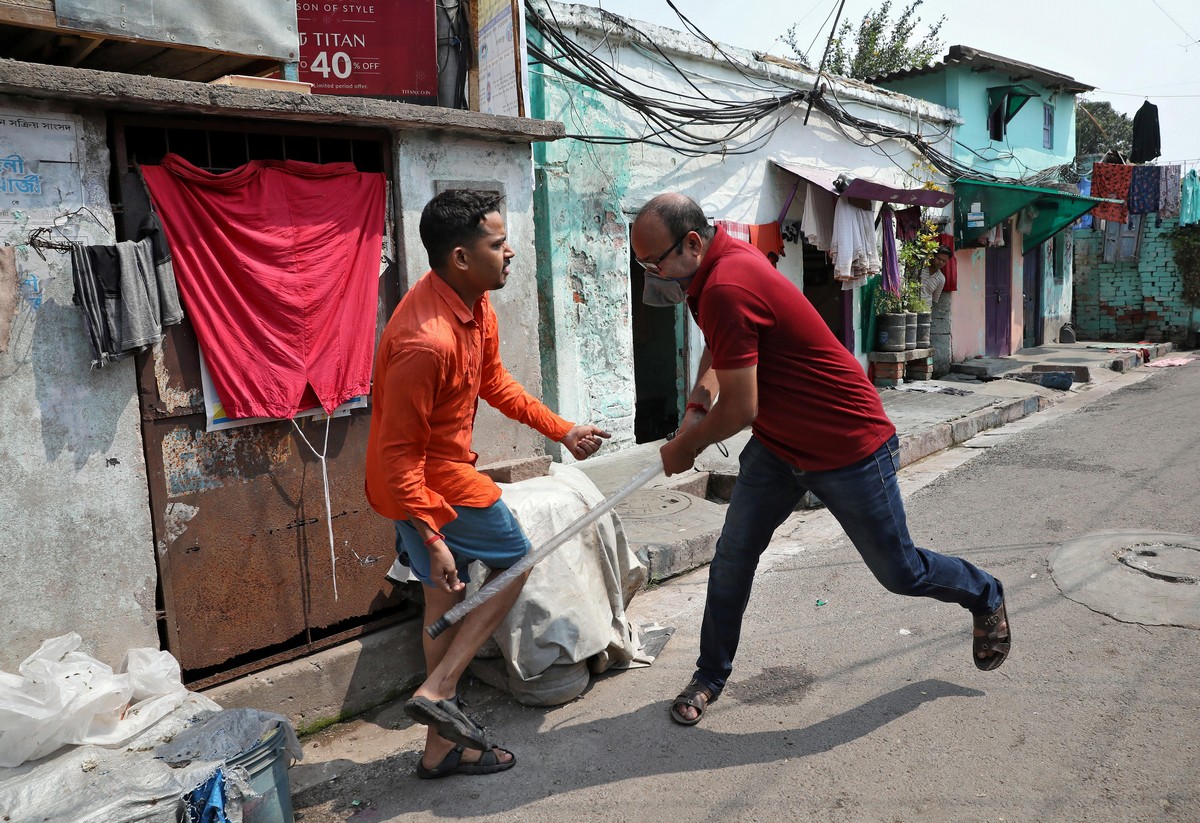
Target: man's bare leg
447	657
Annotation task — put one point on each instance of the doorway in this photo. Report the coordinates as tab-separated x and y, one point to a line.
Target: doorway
827	296
245	573
997	299
658	374
1034	274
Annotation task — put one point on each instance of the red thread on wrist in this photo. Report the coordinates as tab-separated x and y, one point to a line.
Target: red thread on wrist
436	537
700	407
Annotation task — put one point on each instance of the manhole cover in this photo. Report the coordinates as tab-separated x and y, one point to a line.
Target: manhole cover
1164	561
652	503
1135	577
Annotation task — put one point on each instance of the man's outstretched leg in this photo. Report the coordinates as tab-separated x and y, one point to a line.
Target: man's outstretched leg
456	737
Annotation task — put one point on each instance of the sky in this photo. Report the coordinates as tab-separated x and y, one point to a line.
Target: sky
1130	50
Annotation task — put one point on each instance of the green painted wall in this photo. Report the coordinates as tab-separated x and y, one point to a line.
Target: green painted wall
583	261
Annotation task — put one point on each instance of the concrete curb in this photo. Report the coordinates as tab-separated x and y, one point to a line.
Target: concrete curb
919	445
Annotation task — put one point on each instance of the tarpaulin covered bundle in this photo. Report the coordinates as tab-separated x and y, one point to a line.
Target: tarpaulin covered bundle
569	620
278	264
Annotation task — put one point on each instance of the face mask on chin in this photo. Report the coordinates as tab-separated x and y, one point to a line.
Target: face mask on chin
663	293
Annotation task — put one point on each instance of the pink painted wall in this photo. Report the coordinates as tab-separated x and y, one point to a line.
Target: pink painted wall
966	312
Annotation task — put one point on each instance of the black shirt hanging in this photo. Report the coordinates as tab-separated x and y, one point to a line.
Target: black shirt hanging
1146	141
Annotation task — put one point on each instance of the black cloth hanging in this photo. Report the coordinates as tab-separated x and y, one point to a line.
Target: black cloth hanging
1147	143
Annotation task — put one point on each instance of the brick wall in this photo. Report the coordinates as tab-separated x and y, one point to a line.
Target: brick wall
1128	302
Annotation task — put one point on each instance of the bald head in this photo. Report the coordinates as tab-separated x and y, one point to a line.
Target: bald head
677	214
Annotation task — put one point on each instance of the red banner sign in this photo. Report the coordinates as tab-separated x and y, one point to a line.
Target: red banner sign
375	48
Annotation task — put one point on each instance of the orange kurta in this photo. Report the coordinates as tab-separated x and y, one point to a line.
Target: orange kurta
436	359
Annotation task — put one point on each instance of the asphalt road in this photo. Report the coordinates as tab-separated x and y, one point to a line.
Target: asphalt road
868	708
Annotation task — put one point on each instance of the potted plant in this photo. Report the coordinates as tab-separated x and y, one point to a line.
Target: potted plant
916	303
890	328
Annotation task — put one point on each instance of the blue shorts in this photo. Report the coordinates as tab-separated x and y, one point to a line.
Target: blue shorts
490	535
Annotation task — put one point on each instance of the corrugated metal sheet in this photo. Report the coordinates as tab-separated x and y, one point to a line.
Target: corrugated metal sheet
266	30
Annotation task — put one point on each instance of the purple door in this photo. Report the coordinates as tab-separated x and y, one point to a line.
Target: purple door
997	301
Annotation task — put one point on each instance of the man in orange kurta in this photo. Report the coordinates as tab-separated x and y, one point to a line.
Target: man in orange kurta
439	355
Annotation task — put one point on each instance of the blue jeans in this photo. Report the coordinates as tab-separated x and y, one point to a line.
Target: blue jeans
865	499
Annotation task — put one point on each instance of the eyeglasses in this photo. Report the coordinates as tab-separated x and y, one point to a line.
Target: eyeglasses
652	268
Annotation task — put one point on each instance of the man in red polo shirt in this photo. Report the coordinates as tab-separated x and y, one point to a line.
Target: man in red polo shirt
440	354
818	425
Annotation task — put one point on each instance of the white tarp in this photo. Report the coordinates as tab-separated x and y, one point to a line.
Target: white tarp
570	618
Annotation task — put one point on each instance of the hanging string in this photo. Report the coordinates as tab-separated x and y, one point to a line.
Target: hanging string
328	510
329	514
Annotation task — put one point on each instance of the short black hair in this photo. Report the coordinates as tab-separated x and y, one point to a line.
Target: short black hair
455	218
946	250
679	215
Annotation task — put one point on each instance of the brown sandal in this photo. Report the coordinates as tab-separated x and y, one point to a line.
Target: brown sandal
995	641
696	695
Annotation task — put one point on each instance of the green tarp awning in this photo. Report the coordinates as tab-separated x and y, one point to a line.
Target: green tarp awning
996	202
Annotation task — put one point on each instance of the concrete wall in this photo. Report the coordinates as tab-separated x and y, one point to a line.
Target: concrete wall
428	162
1057	285
1131	301
588	194
77	550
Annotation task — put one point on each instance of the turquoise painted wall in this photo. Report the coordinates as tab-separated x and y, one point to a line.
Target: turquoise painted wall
1129	302
583	261
1022	151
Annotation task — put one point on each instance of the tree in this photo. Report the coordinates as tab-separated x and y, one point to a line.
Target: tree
880	45
1104	130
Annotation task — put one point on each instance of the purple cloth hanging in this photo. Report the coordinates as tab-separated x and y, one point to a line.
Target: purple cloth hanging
891	263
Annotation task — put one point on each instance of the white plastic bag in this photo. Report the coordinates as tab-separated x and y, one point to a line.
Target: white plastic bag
63	696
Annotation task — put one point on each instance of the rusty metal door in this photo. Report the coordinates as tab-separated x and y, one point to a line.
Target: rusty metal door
239	519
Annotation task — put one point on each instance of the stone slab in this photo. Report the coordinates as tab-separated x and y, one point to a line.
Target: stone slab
1080	374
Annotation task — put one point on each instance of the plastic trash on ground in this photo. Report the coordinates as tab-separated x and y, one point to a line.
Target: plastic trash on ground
63	696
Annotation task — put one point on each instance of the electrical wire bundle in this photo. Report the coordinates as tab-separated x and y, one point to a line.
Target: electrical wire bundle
680	124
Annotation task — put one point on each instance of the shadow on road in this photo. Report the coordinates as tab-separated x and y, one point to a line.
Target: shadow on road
639	744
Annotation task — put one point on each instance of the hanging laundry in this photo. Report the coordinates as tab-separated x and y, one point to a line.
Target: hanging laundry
278	262
735	229
1144	189
891	260
908	223
854	249
1189	202
1085	188
1111	180
768	238
951	268
1169	192
127	293
1147	143
817	220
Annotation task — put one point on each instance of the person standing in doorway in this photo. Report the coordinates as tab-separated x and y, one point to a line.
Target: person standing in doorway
438	356
932	278
771	363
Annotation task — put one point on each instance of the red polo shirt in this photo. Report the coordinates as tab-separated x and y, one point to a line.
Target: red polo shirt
816	408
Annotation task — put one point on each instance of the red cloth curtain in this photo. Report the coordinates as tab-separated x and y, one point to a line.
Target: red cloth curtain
278	264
